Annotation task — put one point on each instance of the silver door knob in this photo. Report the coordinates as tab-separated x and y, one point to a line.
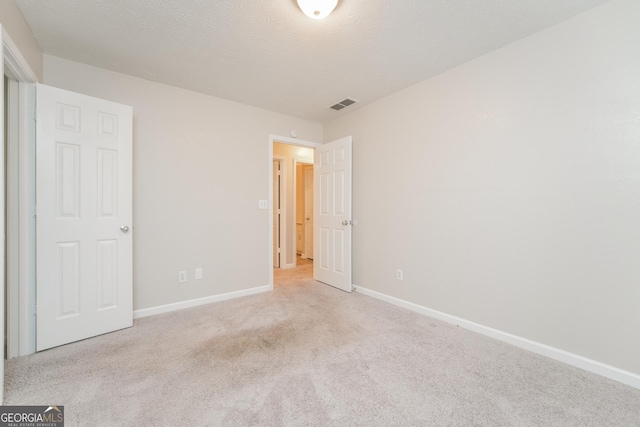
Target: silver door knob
345	222
124	228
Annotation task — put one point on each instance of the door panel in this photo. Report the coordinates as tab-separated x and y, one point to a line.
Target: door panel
338	254
83	198
107	274
68	279
333	214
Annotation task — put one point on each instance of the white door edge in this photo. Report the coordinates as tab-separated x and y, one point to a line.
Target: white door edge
283	210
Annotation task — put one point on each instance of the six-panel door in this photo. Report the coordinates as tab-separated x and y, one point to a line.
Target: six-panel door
84	215
332	244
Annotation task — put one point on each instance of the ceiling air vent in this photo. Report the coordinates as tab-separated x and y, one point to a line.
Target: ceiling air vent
344	103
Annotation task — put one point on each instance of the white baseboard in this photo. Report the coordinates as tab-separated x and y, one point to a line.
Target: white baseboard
572	359
137	314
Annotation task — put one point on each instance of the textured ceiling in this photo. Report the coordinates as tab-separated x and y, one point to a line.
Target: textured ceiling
267	53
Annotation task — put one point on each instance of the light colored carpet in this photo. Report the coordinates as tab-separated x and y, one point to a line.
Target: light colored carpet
308	354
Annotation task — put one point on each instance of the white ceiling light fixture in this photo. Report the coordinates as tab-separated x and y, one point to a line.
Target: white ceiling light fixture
317	9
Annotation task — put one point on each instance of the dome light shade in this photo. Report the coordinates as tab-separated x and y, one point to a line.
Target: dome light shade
317	9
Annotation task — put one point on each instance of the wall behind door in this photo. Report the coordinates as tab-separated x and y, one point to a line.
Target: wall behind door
192	207
508	188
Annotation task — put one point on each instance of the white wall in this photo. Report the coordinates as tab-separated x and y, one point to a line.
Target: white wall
508	189
200	165
14	23
302	154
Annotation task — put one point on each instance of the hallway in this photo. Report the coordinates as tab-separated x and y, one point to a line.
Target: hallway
303	270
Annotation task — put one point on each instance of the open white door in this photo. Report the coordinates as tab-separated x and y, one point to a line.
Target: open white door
84	213
332	243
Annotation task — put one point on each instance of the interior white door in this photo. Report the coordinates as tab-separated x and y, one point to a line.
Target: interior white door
308	211
332	245
84	213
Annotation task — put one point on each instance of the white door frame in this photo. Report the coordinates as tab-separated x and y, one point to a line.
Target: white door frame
289	141
21	246
283	209
21	188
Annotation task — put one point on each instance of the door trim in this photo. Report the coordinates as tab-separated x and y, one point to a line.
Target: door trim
14	63
16	68
12	209
283	140
283	210
20	182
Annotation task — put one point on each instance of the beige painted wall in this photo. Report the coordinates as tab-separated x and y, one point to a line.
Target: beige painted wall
200	165
14	23
508	188
289	152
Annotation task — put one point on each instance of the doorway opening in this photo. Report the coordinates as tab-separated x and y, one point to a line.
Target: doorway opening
332	221
290	207
290	232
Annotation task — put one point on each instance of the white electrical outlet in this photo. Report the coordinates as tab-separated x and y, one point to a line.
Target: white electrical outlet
198	274
182	276
399	275
263	204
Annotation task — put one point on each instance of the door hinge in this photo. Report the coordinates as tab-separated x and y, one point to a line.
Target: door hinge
35	308
35	211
